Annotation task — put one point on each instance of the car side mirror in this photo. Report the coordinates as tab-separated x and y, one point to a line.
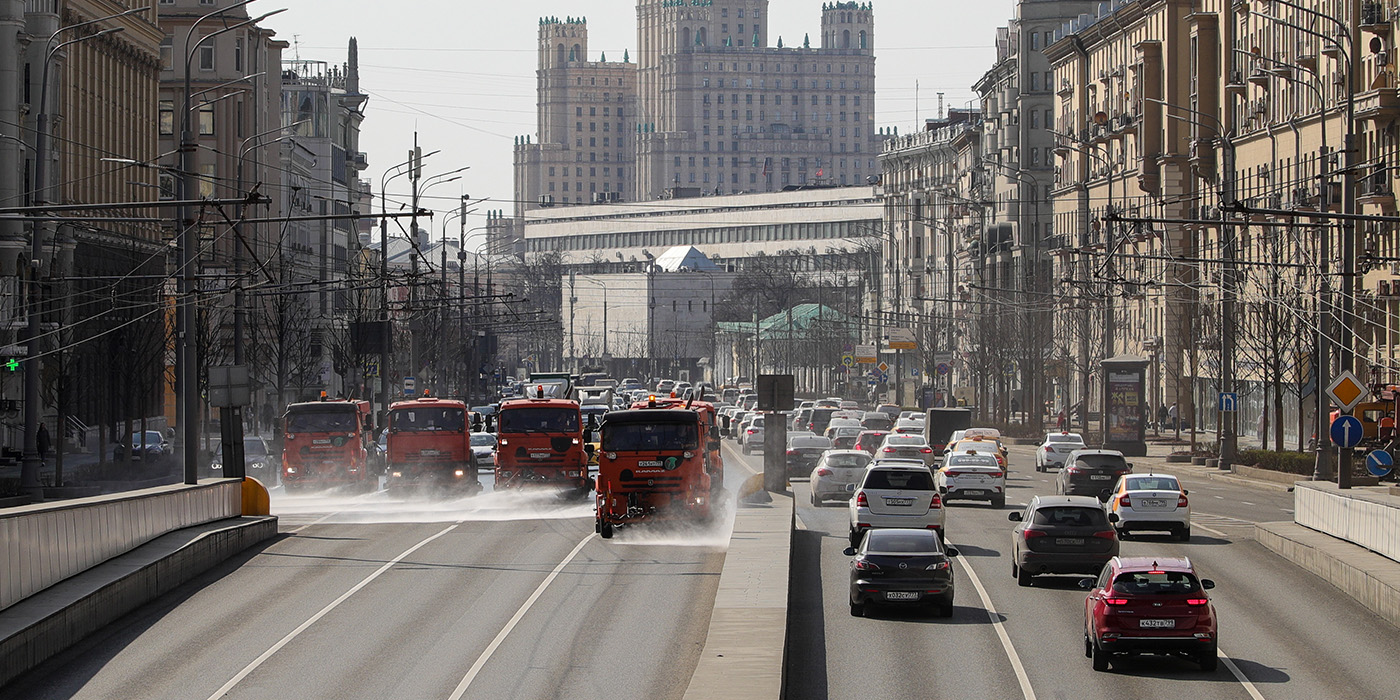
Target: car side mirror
1184	492
1130	465
1014	517
952	552
850	488
849	551
1113	517
1207	584
1087	584
943	490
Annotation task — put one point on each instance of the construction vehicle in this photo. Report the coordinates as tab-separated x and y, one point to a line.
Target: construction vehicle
325	444
651	468
429	445
709	428
540	442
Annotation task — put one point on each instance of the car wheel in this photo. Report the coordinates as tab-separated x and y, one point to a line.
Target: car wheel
747	451
1023	577
816	502
999	502
1184	534
1088	648
857	609
1209	660
1100	658
1039	467
1122	534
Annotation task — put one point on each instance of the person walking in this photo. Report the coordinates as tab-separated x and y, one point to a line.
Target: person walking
1174	419
1060	421
42	441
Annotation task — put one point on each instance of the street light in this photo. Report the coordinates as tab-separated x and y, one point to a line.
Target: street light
32	462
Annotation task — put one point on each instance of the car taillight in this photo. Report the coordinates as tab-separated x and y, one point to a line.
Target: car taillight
935	502
1181	501
863	565
995	475
889	449
750	431
861	500
937	566
1196	601
1001	461
927	450
1049	448
812	427
952	474
1125	501
823	472
1116	601
1107	534
1030	534
1073	471
793	453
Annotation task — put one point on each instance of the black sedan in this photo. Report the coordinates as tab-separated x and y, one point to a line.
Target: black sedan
902	567
1061	535
803	452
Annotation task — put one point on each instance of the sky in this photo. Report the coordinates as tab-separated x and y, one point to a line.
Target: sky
462	72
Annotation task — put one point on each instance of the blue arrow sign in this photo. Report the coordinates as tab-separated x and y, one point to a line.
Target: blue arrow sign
1379	463
1229	401
1346	432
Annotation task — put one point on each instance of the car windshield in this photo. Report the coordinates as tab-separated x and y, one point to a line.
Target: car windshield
321	421
978	460
1069	516
541	419
1101	462
890	542
1153	483
254	447
648	437
420	419
152	438
907	479
483	440
1156	582
848	460
1065	438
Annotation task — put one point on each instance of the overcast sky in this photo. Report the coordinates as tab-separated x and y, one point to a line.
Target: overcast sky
462	72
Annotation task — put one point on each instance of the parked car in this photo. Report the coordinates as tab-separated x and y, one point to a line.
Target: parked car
907	447
803	451
259	461
836	474
1091	473
1061	535
902	567
972	476
1149	605
150	445
1055	448
895	495
870	440
1151	502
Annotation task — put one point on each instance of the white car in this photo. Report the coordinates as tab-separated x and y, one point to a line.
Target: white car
751	435
909	426
895	495
1053	450
836	473
484	449
973	476
907	446
1150	502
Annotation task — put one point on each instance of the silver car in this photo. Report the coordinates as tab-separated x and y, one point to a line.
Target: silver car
891	495
836	474
1055	448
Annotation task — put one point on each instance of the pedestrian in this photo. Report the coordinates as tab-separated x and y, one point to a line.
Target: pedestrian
41	440
1263	429
1060	421
1173	417
1387	426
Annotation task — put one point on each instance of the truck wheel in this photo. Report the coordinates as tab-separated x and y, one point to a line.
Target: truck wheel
606	531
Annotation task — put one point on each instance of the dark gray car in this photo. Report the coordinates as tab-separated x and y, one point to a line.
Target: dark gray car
1091	472
903	567
1061	535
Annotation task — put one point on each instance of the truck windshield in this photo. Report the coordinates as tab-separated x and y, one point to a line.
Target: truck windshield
421	419
539	420
322	421
647	437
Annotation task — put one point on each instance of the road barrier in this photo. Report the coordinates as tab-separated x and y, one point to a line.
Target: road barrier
1369	519
45	543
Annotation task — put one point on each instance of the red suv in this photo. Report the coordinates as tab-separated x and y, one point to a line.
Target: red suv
1149	605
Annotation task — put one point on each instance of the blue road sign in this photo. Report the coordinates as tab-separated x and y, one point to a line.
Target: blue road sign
1346	432
1229	401
943	368
1379	463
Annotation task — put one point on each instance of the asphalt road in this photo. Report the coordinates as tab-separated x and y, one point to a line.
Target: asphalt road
1284	633
372	596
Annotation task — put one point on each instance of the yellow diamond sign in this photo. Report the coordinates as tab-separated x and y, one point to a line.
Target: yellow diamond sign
1347	391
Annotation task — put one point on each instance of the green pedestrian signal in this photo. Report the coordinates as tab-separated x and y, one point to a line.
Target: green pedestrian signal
12	364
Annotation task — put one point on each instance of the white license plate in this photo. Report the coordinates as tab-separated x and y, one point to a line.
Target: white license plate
1157	624
1099	477
899	501
539	455
1153	503
649	463
428	453
1069	541
907	595
973	492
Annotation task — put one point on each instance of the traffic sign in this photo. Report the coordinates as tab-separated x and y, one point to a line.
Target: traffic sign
410	386
848	361
866	355
1229	402
1346	432
1379	463
882	367
944	369
1347	391
372	368
882	377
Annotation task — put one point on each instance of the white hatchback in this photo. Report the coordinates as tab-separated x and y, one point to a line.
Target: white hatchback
973	476
836	473
1054	448
1150	502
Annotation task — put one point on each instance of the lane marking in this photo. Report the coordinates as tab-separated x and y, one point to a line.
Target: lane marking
263	657
1213	531
1246	503
1016	665
739	458
358	499
1239	675
501	636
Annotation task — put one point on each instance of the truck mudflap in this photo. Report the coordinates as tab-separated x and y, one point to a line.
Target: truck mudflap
615	510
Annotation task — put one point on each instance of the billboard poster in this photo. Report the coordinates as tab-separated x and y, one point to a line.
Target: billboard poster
1125	406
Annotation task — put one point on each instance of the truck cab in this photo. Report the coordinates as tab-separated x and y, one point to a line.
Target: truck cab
325	445
540	442
429	444
651	467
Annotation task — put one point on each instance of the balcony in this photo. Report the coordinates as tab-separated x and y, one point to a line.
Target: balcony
1375	18
1375	190
1379	106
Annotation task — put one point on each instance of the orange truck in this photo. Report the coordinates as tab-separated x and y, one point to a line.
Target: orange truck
540	442
429	444
709	433
651	468
324	444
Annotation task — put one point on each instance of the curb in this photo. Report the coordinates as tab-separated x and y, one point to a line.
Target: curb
746	645
1227	477
1369	578
54	619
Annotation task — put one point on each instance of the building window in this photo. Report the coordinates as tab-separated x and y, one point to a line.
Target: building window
206	180
206	120
238	54
166	53
167	118
206	54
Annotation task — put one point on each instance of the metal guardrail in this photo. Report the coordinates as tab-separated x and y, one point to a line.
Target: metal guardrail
43	544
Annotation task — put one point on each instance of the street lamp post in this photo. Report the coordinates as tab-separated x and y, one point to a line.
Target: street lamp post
32	462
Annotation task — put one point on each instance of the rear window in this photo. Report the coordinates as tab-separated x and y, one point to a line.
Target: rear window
877	421
1153	483
1065	438
908	479
847	460
887	542
1156	582
1101	461
1069	516
972	461
905	440
810	441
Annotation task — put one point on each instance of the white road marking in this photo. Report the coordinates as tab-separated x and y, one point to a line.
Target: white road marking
1212	531
505	631
1246	503
1015	659
800	525
263	657
1220	497
1239	675
318	521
